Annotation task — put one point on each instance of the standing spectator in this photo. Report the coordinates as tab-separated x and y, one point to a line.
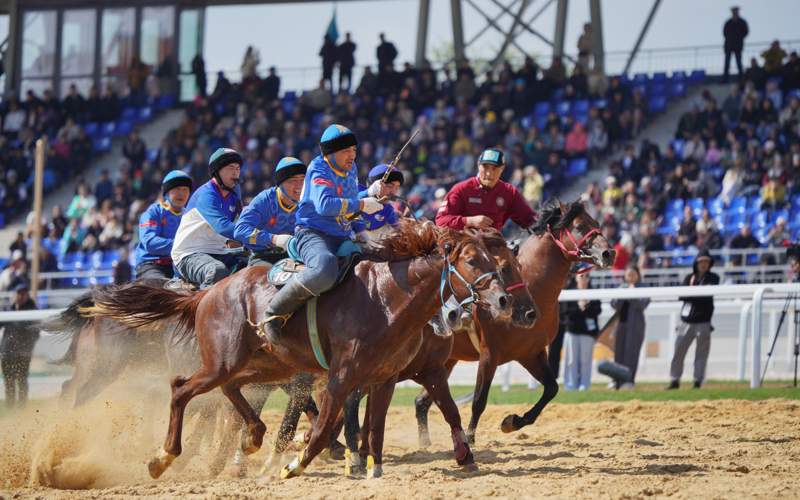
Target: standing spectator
696	316
134	149
347	60
734	31
328	53
773	58
581	332
104	187
250	63
123	271
629	334
386	54
16	349
271	87
137	75
585	47
199	72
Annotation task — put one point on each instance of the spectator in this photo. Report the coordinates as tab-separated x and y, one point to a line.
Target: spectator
756	74
687	232
734	31
532	185
386	54
16	271
199	72
250	63
81	202
134	149
328	53
773	194
597	141
696	315
732	181
629	334
585	47
123	272
576	142
137	74
16	349
271	85
773	58
625	250
19	244
347	60
582	330
104	187
778	235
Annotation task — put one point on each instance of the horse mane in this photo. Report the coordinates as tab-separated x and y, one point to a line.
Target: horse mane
492	238
550	215
412	239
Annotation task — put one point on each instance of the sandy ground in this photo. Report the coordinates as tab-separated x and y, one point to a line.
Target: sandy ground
707	449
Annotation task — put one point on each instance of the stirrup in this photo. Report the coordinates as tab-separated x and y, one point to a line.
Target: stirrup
261	326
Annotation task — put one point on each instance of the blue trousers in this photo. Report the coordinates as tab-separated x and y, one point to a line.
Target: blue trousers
318	252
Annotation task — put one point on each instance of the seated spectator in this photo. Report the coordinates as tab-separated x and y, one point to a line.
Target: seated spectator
773	194
741	241
732	181
532	185
778	235
773	58
687	233
81	202
576	141
597	140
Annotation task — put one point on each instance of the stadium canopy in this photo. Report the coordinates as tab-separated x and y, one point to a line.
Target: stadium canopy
54	43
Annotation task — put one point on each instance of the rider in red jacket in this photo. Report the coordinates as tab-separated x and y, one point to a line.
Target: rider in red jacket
485	201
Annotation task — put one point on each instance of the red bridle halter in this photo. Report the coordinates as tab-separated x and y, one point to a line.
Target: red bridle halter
577	252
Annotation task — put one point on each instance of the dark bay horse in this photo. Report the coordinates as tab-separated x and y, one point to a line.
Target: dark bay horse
392	300
428	366
563	236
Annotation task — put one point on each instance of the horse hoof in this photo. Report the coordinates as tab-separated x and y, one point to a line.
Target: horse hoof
160	463
424	441
469	468
374	471
294	469
508	424
337	451
469	437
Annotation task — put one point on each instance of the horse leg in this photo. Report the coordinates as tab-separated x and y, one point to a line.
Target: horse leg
486	368
298	393
435	383
538	366
238	465
183	390
422	404
252	439
380	396
351	430
331	400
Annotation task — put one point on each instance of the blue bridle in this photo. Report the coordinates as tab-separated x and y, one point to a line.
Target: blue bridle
447	273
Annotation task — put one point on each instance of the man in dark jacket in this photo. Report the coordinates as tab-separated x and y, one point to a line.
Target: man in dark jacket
696	316
582	330
347	60
16	349
734	31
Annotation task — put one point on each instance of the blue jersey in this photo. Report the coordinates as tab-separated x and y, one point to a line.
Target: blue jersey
373	222
207	223
157	227
329	196
264	216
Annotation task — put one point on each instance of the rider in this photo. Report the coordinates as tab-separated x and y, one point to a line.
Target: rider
328	201
485	201
380	223
267	223
205	236
158	225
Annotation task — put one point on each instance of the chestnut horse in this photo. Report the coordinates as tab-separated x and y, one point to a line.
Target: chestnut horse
428	366
392	300
563	236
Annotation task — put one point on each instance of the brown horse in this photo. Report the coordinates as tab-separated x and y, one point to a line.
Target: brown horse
393	301
428	366
563	236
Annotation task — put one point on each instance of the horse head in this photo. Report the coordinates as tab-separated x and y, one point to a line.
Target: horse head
524	310
470	273
576	233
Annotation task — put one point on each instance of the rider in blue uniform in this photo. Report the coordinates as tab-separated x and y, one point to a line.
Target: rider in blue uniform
329	198
158	225
205	236
267	223
379	189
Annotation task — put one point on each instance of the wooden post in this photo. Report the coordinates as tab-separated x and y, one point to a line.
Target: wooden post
41	146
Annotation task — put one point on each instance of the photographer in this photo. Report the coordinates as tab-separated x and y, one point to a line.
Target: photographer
696	316
793	256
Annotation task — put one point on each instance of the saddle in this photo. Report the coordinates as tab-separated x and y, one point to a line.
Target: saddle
348	255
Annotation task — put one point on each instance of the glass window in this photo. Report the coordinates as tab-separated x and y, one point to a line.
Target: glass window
117	42
38	85
77	42
83	85
38	43
189	45
158	26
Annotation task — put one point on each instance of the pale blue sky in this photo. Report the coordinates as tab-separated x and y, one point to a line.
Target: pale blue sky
289	35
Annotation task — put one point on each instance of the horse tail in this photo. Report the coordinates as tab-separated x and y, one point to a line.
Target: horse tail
137	305
68	325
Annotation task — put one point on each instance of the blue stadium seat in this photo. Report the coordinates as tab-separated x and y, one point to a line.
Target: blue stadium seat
166	101
92	129
600	103
145	114
581	106
2	220
582	118
657	89
716	206
675	206
123	128
754	205
3	263
677	145
697	205
129	114
697	76
557	94
563	107
640	78
577	167
541	108
526	122
290	95
738	204
152	155
677	89
96	259
678	76
541	123
760	219
67	262
108	128
793	93
102	144
773	217
657	104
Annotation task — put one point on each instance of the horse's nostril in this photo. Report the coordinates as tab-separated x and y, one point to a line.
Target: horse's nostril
452	316
530	315
503	302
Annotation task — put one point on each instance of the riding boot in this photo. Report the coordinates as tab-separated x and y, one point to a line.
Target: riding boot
288	299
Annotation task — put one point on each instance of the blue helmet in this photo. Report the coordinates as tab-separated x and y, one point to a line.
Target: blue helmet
176	178
289	166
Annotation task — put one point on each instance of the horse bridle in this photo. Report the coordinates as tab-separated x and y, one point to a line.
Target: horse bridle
473	288
579	252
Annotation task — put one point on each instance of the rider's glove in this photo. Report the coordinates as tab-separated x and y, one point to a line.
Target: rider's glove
371	205
281	240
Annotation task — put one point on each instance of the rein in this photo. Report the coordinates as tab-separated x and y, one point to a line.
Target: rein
447	273
578	252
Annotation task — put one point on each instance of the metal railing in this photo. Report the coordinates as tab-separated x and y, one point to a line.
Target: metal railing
673	276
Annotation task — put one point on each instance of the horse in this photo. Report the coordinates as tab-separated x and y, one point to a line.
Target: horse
394	300
428	366
563	236
101	349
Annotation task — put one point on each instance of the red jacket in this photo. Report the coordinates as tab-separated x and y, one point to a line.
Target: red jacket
468	198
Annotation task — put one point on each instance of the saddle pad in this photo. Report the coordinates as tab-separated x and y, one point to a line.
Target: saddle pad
282	271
